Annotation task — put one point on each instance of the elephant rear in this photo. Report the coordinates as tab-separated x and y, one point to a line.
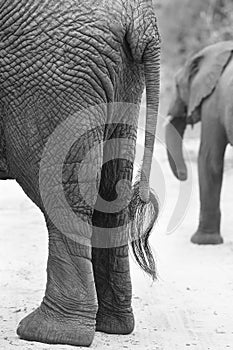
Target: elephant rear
56	61
62	67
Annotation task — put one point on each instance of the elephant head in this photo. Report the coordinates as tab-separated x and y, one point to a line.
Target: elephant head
194	83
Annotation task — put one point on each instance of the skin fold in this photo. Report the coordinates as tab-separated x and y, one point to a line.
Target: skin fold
204	88
79	61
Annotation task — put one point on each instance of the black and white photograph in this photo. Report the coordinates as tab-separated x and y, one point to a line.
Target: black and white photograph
116	174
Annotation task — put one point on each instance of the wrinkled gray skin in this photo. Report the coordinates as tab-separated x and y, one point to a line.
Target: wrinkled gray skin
57	58
204	90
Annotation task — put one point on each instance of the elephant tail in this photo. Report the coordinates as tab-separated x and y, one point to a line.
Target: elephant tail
144	204
143	218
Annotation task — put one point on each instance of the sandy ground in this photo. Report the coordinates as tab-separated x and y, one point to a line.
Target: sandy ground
191	305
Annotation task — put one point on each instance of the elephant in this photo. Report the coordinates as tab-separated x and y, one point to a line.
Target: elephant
72	74
203	92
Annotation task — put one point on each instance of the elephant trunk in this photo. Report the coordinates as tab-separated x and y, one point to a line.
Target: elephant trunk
174	140
144	204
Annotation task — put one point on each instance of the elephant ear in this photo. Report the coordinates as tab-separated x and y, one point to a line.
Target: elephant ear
205	68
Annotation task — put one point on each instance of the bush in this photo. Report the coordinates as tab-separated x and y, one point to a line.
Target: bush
189	25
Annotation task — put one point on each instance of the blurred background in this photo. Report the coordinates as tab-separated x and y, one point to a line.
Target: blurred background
186	26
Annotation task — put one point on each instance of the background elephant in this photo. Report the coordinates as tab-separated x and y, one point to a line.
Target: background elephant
204	90
74	64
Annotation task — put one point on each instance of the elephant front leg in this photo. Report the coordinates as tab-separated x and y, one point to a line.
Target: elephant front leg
68	311
210	170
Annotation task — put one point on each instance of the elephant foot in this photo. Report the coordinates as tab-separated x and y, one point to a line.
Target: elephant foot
206	238
115	323
46	326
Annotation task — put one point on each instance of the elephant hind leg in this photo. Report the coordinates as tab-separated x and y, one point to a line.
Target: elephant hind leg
110	252
68	311
210	170
67	314
114	290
